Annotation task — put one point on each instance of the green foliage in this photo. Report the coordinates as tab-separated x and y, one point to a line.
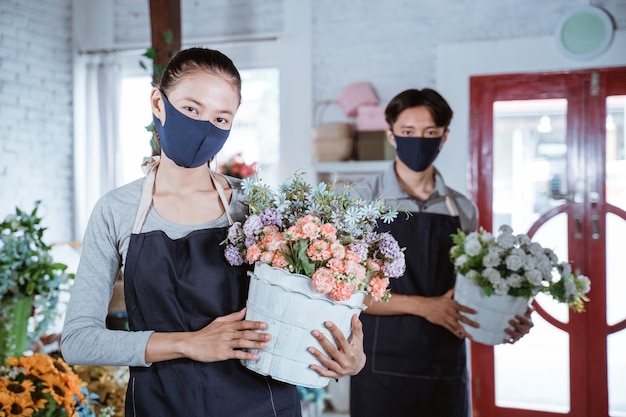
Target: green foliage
26	266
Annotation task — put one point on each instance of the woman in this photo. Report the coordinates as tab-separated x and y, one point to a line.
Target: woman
185	303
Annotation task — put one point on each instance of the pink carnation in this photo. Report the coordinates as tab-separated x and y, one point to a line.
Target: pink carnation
293	233
279	260
329	232
319	250
356	269
274	240
267	256
254	253
310	230
342	291
336	265
338	250
352	256
322	280
373	265
377	287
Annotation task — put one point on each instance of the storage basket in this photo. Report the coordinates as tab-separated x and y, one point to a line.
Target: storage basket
292	309
332	141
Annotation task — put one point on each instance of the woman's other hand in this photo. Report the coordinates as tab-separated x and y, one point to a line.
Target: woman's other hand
346	358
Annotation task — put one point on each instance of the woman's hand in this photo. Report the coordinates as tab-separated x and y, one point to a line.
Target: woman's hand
346	358
444	311
220	340
521	326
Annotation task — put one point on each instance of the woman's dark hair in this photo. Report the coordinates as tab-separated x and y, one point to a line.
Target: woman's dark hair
437	106
199	59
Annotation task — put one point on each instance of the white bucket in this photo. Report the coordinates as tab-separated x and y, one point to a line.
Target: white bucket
493	312
292	309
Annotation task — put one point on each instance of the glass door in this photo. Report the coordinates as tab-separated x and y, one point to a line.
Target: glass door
548	159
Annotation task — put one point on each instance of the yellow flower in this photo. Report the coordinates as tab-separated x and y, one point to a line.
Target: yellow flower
19	408
56	387
6	400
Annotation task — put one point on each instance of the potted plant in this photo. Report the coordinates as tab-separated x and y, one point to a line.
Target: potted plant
500	276
316	255
30	281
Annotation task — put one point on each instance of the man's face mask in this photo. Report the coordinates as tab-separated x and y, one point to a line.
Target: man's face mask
417	153
186	141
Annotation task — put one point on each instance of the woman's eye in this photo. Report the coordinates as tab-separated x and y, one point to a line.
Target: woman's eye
221	120
190	109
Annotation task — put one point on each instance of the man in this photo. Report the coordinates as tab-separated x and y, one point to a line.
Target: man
415	343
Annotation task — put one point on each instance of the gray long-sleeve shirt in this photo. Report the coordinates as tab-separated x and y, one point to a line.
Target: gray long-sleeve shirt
85	338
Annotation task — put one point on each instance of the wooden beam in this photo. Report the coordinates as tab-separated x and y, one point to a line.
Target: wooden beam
165	31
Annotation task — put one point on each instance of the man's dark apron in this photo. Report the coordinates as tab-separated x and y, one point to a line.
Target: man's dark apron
177	285
414	368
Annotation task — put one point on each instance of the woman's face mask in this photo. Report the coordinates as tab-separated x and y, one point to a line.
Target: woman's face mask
186	141
417	153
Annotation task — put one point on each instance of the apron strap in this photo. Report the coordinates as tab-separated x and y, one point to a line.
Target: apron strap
222	195
149	167
452	207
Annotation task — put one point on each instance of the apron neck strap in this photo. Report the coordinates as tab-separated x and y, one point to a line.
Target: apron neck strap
222	195
452	207
149	167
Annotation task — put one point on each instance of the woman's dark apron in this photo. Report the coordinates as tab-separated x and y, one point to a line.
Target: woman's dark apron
178	285
414	368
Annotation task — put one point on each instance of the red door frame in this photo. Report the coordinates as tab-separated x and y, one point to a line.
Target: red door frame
586	93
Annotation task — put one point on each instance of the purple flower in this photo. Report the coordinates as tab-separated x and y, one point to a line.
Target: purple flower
396	267
235	233
388	246
250	240
271	216
252	227
233	256
361	249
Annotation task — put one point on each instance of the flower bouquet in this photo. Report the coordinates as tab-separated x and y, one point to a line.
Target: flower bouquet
316	257
237	167
499	277
42	386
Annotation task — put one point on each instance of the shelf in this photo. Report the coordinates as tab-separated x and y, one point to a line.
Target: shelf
351	167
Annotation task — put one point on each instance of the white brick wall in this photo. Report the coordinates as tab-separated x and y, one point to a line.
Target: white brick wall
36	111
393	43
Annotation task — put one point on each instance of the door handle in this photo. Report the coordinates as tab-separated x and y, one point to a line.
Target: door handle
595	227
578	226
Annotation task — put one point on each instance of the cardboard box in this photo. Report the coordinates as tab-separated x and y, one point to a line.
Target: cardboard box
373	146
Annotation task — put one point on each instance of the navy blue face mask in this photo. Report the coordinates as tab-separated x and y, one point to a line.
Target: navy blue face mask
417	153
186	141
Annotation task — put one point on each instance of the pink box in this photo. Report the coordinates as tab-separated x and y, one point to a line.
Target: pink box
355	95
370	118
